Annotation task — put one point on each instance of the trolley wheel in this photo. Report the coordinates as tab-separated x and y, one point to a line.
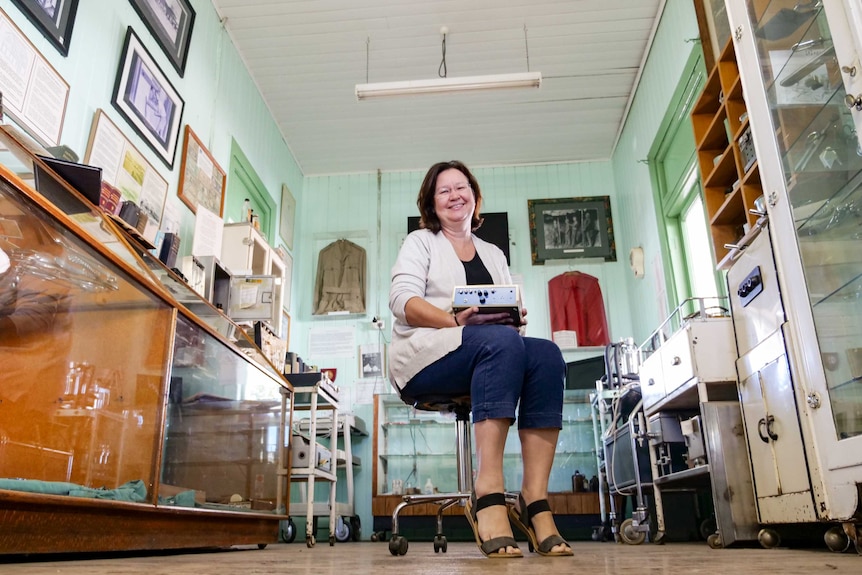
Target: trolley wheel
398	545
440	543
708	527
714	541
343	531
629	535
309	541
287	531
356	528
769	538
836	539
261	545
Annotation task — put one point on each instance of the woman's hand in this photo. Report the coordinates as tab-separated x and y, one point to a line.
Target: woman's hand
471	316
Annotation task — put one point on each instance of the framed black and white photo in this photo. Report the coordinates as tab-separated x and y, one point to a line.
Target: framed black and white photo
53	18
563	228
147	100
170	22
372	360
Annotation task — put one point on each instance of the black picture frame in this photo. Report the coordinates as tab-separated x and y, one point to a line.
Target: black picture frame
147	100
54	20
563	228
170	22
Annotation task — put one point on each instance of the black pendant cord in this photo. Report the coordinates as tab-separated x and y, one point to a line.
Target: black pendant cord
441	71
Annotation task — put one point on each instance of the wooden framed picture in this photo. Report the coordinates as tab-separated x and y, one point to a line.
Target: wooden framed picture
147	100
202	180
170	22
53	19
563	228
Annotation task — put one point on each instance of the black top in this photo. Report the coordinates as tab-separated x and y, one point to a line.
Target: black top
477	273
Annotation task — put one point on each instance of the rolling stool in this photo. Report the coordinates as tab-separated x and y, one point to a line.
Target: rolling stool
460	406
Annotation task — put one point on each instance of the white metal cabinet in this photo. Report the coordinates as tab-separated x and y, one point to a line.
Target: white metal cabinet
799	66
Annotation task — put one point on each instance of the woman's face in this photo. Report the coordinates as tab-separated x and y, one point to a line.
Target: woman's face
453	199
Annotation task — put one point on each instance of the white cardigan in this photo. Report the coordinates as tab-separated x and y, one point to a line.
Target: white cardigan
428	267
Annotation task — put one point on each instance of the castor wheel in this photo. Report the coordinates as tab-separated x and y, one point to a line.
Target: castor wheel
398	545
343	530
629	535
836	539
714	541
707	527
309	541
287	531
769	538
440	543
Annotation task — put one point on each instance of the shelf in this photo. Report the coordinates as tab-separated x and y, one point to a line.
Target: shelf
720	118
695	476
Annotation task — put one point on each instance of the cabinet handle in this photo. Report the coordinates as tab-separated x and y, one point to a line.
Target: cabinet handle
761	425
772	435
676	360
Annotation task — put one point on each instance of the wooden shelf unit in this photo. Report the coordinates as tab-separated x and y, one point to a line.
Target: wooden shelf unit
720	120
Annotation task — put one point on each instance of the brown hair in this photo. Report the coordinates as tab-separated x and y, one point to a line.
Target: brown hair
425	201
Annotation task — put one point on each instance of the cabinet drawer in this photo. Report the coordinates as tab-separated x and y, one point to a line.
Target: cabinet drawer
703	348
652	380
676	360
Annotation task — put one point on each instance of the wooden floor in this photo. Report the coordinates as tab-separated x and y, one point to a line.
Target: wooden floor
367	557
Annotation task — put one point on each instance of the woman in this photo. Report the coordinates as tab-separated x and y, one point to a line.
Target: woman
478	354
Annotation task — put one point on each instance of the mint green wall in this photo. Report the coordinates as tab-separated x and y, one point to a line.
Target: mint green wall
637	223
221	100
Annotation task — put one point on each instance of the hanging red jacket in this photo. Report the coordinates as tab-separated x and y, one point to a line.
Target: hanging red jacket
576	304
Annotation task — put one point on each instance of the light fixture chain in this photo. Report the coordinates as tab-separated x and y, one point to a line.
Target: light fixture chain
527	47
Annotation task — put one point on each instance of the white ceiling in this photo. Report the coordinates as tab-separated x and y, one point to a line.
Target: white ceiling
306	56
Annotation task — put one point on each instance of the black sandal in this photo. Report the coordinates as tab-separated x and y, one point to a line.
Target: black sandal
491	547
522	521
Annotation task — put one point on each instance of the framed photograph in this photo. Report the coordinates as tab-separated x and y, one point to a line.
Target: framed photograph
147	100
563	228
170	22
53	18
202	180
288	216
372	360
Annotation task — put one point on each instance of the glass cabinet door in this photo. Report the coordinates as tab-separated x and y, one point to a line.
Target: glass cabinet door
802	60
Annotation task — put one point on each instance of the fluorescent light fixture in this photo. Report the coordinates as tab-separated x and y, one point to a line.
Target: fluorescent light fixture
441	85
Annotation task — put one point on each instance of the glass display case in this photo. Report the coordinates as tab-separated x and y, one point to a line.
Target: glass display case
799	65
415	451
133	414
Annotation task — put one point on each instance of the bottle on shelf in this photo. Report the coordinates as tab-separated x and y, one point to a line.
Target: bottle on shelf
246	210
429	487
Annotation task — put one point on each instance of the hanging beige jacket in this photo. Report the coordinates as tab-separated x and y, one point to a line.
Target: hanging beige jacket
340	285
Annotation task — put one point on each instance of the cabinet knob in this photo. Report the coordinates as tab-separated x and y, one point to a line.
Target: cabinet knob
850	70
853	101
676	360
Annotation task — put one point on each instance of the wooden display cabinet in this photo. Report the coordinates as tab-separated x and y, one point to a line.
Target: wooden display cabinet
730	174
133	414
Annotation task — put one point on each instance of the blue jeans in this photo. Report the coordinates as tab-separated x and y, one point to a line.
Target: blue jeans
500	370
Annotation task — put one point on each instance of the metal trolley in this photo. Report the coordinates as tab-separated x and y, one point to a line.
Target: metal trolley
621	449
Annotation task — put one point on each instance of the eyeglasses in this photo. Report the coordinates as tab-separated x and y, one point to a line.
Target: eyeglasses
463	186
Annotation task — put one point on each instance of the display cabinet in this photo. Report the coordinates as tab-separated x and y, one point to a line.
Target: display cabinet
415	450
133	414
801	384
245	252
